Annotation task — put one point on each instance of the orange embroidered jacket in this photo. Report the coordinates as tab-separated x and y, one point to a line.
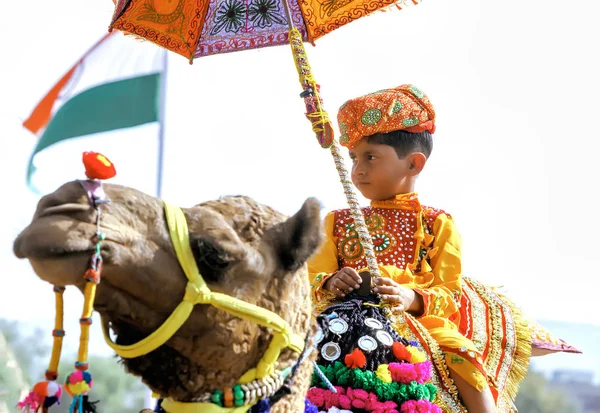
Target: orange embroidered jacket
416	246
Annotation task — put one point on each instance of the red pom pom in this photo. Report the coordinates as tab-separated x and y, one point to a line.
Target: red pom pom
355	359
97	166
400	351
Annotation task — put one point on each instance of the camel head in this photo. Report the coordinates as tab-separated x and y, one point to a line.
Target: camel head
242	248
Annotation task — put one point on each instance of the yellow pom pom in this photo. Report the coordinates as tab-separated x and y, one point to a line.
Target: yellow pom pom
79	388
383	373
416	355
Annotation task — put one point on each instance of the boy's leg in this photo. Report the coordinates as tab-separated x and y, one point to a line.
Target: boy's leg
474	400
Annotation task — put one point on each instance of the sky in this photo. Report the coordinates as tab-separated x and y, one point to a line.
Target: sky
515	87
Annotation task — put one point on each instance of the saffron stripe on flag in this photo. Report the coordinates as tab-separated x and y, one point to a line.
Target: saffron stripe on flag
114	85
116	105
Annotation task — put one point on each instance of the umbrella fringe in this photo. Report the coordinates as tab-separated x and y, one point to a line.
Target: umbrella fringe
400	5
137	37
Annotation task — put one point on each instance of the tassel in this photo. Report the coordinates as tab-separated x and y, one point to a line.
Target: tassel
44	394
30	403
81	404
76	405
522	352
88	406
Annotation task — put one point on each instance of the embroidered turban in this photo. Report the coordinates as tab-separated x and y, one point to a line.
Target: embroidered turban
404	107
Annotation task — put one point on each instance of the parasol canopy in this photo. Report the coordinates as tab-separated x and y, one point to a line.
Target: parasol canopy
197	28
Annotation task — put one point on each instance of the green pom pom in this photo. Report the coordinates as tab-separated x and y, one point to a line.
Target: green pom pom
417	391
363	379
402	394
315	379
421	392
338	369
432	391
391	390
330	373
385	391
380	389
345	379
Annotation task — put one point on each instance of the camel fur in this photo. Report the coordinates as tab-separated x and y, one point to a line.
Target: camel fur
242	248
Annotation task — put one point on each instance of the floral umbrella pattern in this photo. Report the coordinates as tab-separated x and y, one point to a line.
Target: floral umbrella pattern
196	28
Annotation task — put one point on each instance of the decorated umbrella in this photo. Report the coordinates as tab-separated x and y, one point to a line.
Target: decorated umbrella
197	28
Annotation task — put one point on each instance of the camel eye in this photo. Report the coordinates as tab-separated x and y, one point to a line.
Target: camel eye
212	261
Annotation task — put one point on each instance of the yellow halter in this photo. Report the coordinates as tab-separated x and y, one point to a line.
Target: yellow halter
197	292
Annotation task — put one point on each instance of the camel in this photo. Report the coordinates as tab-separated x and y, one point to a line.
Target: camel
243	249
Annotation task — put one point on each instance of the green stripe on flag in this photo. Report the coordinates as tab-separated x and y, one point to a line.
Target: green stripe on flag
109	106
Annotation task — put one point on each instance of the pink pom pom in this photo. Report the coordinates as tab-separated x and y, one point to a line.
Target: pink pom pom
76	377
419	406
360	394
358	403
345	402
403	372
316	396
423	371
372	403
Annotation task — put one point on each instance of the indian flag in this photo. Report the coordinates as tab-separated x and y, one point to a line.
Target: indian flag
116	84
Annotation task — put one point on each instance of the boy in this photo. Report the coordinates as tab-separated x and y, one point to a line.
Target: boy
388	134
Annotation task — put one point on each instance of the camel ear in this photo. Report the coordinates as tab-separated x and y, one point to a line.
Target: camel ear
296	239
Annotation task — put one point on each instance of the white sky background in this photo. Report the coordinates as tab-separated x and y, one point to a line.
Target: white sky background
515	86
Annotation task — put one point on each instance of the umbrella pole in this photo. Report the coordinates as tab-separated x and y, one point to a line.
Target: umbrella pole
321	125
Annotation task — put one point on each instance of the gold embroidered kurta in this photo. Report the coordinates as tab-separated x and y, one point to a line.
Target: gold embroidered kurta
418	247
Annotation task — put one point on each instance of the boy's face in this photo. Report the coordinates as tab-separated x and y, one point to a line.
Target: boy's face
379	174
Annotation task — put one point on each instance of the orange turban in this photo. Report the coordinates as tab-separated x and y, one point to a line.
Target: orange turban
404	107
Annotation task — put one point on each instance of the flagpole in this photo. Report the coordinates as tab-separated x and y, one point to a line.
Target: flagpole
161	125
149	401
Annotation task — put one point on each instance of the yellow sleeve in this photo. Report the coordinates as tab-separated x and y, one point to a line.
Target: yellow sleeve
441	295
324	263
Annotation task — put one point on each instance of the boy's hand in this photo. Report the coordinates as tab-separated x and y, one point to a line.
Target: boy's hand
401	298
343	282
